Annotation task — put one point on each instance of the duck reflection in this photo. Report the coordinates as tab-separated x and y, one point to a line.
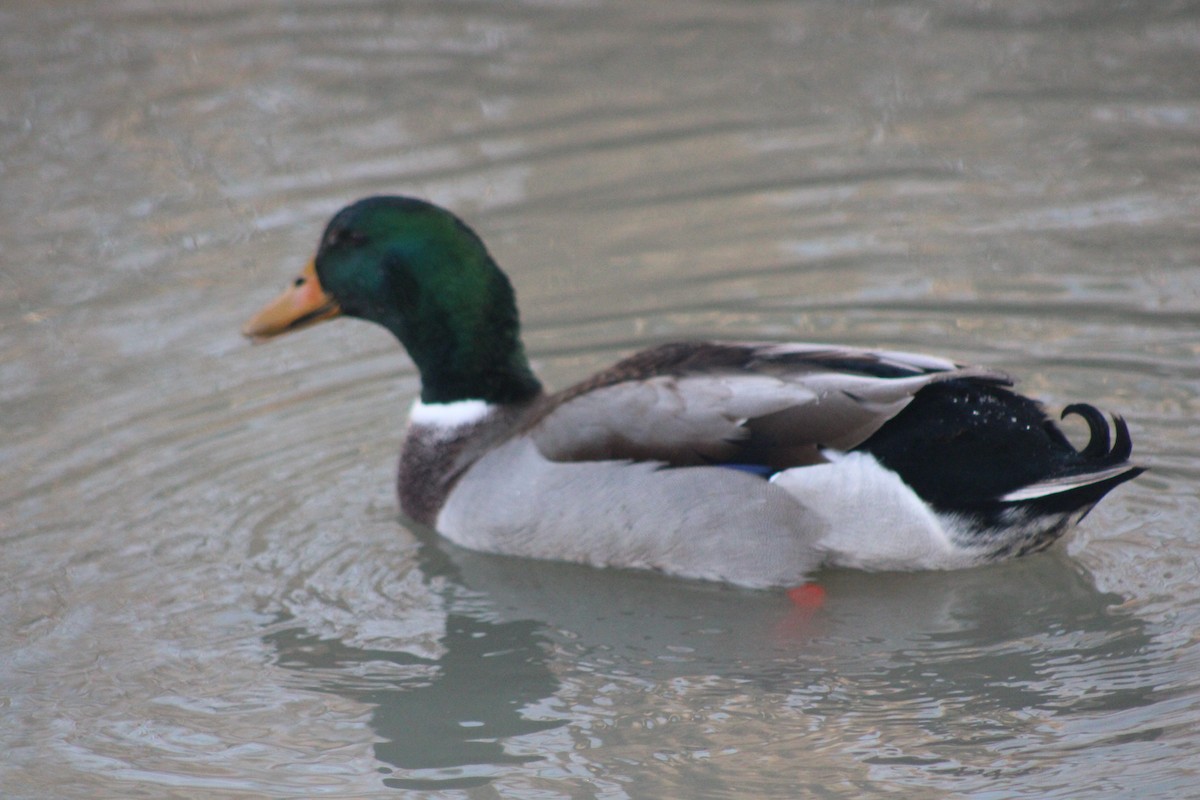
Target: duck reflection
453	713
967	662
976	659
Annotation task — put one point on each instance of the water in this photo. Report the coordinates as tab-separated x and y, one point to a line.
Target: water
206	589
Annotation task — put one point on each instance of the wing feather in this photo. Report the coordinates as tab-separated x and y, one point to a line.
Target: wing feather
776	405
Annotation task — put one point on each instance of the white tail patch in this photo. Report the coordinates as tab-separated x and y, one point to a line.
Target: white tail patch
875	521
1058	485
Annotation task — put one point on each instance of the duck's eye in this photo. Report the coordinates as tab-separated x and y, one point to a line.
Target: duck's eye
344	236
300	282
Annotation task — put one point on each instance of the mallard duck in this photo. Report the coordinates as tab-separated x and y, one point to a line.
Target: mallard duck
745	462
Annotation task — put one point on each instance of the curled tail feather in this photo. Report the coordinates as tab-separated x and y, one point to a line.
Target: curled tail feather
1100	447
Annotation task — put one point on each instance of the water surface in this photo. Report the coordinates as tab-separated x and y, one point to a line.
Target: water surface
206	587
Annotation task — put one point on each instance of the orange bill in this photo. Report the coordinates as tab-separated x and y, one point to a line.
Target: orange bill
302	304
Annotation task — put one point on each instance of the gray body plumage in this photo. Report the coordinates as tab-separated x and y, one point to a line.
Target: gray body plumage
621	471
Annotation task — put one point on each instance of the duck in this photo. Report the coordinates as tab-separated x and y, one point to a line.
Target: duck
750	463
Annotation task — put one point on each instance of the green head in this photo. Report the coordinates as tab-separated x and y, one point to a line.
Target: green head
420	272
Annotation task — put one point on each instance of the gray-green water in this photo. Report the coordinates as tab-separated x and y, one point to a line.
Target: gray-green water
206	589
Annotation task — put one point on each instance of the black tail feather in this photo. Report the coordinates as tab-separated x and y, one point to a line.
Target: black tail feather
1098	438
1084	496
996	461
1100	446
1123	447
965	445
